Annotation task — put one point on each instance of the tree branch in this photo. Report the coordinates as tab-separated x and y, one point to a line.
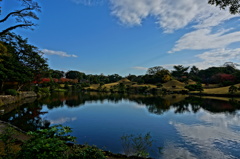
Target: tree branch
14	27
12	13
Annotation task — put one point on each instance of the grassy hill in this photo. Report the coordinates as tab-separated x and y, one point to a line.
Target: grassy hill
220	90
174	85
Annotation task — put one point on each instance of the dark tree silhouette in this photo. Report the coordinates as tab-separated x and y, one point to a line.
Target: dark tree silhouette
24	17
233	5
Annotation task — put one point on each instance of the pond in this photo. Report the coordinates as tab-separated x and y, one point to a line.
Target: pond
177	126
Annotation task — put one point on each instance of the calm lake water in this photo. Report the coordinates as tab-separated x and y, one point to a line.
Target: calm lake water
183	126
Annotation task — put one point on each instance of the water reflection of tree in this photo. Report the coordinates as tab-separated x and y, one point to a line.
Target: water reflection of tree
218	106
194	104
154	104
27	117
189	104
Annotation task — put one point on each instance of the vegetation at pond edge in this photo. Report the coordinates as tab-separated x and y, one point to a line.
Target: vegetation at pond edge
54	142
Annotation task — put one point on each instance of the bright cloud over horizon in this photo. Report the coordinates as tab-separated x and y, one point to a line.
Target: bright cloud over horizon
58	53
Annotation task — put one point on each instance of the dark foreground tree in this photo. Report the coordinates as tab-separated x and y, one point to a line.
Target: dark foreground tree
24	16
233	5
22	62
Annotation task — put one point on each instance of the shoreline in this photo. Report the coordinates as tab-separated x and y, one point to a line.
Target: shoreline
9	99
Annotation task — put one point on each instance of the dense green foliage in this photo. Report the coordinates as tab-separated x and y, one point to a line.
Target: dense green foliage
53	143
22	63
56	74
8	143
85	152
47	143
194	87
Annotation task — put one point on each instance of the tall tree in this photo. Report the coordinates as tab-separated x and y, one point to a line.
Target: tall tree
180	71
193	74
157	74
57	74
75	75
24	15
22	63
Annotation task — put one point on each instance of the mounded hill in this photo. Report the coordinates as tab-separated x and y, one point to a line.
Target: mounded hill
174	84
124	80
191	82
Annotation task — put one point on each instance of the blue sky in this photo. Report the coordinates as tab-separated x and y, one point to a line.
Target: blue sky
129	36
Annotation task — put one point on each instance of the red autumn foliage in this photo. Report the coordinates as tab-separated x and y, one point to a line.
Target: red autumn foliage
220	77
61	80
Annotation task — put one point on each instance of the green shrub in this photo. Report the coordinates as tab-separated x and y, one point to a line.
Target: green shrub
9	149
232	89
12	92
53	143
85	85
194	87
86	152
226	83
159	85
44	90
47	143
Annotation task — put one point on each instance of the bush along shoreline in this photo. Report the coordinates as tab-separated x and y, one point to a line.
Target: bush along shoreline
52	142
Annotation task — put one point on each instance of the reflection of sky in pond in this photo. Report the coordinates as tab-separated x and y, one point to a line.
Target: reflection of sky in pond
187	135
214	138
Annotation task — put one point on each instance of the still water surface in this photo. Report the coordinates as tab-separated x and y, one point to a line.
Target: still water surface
183	126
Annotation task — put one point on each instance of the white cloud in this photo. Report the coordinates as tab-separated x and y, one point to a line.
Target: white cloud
216	57
204	39
140	68
217	128
59	53
172	151
62	120
87	2
220	55
177	14
170	15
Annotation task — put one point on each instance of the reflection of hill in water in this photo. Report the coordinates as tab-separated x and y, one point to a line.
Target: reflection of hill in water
155	104
28	116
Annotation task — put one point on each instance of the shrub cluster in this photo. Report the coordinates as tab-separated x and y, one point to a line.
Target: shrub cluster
12	92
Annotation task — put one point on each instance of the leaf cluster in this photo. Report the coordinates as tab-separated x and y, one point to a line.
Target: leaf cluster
47	143
223	4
